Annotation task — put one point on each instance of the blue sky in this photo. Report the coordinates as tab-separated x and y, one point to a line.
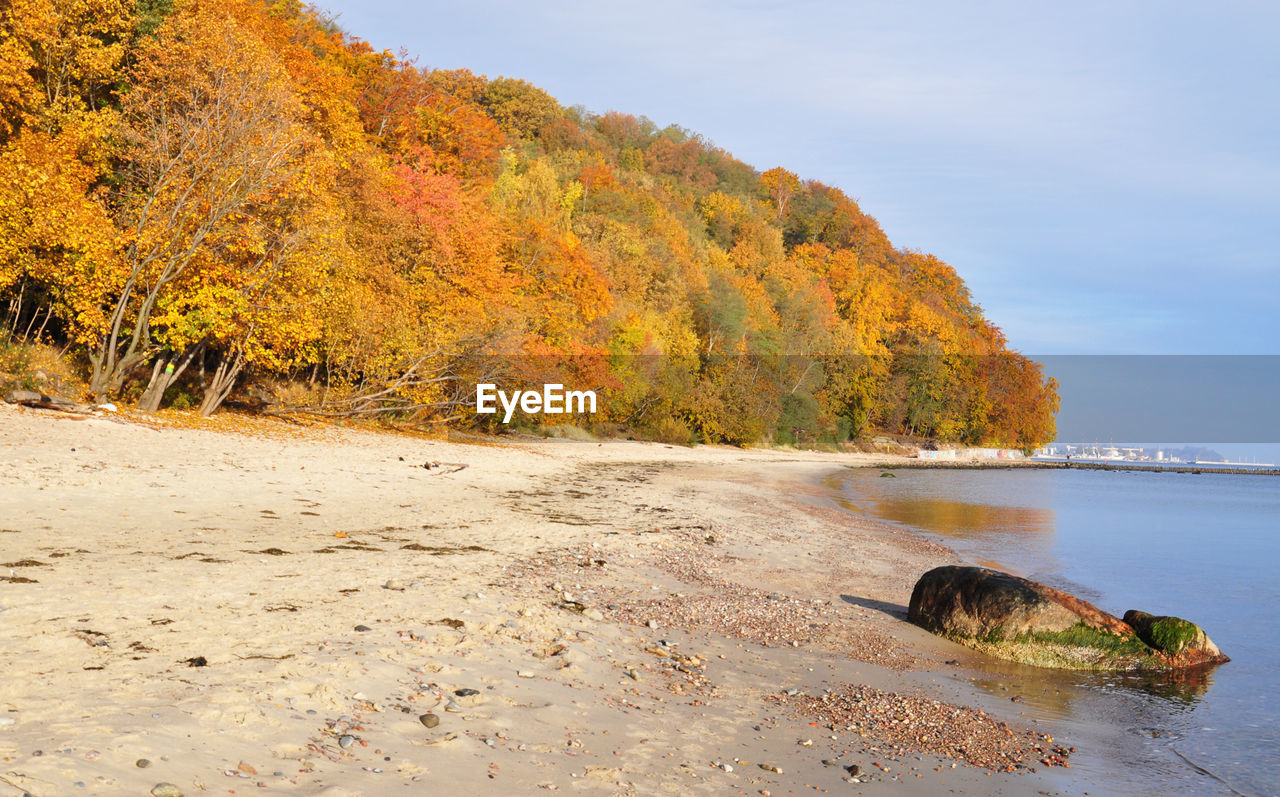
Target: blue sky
1105	176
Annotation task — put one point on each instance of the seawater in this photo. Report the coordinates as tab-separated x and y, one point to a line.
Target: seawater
1205	547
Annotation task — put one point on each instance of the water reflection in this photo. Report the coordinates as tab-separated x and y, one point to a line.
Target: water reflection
900	501
1180	689
1055	693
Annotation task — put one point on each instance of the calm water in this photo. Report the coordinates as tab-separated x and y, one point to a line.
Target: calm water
1204	547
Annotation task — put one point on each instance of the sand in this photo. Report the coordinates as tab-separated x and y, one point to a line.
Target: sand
260	608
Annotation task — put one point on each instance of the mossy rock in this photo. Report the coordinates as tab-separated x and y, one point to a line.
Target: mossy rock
1021	620
1180	640
1080	647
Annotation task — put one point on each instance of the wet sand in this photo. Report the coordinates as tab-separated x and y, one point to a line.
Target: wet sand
254	607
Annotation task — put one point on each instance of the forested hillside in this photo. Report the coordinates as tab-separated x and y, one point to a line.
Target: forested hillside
200	197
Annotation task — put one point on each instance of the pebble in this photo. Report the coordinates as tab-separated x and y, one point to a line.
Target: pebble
593	614
430	720
142	763
452	707
165	790
525	674
930	726
652	623
466	692
363	628
6	721
346	741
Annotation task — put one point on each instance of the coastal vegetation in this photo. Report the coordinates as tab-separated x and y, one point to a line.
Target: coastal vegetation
202	201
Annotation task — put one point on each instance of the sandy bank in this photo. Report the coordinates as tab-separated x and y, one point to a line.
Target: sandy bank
273	613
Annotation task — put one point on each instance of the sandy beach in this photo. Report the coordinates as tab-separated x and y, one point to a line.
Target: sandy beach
256	607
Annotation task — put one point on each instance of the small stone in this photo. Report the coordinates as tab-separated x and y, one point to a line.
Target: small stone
652	624
452	707
805	742
165	790
394	583
593	614
525	674
142	763
363	628
632	674
854	770
346	741
771	768
430	720
246	768
466	692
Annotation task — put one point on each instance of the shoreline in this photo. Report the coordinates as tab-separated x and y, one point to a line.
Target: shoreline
232	606
914	464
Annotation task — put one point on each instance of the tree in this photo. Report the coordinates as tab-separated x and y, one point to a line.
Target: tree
520	108
780	186
214	140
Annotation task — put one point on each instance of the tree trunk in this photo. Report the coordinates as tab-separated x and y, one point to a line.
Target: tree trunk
224	380
166	371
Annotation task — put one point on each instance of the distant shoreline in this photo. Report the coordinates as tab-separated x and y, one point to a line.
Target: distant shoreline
1021	464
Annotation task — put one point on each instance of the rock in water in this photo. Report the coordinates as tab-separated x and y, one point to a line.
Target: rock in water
1184	642
1025	621
982	603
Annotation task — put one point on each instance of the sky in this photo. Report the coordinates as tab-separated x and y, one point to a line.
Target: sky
1104	175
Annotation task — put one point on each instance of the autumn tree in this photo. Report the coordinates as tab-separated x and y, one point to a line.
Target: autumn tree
780	186
202	190
214	140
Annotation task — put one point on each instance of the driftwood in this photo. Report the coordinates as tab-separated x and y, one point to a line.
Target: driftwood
43	401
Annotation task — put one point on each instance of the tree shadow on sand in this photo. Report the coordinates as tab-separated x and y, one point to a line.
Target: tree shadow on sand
894	610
